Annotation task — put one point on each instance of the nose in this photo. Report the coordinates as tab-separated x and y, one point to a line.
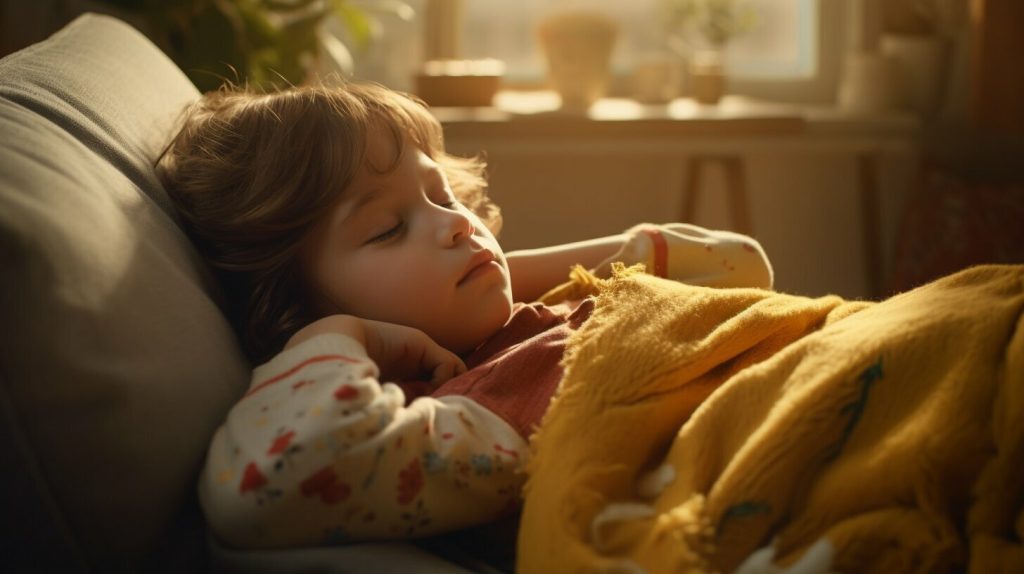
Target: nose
456	227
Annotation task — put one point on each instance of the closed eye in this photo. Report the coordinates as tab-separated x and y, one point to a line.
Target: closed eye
389	234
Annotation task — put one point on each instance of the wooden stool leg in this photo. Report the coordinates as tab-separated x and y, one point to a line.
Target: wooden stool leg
691	190
739	206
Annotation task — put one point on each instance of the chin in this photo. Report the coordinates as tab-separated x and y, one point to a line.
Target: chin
474	335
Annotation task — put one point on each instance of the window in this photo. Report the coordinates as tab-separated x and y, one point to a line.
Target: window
782	44
781	57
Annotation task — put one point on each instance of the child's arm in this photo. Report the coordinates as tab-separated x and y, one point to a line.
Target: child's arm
535	271
695	255
319	451
678	251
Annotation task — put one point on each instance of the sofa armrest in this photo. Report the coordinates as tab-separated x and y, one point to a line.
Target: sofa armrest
116	363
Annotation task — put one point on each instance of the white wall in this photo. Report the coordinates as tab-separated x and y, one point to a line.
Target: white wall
804	193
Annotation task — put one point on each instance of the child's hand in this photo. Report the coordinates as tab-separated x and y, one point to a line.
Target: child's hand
401	353
405	353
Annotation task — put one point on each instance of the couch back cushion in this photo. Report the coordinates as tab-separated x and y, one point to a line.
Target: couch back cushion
116	364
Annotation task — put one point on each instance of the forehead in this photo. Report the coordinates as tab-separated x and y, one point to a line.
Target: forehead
386	155
387	163
388	146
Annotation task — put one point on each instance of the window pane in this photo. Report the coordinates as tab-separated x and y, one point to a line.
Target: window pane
783	43
505	30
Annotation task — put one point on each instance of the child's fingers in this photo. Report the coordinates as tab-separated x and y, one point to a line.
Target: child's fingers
447	370
403	352
438	360
443	371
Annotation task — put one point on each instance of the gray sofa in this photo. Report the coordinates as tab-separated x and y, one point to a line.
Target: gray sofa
116	363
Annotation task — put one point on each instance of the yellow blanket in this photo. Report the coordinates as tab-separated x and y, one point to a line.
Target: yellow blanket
894	430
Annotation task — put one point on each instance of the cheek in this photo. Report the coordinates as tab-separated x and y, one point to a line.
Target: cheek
344	281
387	284
413	278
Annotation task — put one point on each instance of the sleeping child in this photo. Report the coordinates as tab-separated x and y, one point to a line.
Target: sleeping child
403	358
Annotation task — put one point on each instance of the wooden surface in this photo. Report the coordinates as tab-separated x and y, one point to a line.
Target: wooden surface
997	81
537	114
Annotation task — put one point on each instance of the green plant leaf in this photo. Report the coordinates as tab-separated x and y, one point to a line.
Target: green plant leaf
288	5
717	21
356	21
263	42
259	31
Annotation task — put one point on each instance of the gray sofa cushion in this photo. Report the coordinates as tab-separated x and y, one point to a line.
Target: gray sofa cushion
116	364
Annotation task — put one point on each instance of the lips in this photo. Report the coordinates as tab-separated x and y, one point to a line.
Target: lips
476	262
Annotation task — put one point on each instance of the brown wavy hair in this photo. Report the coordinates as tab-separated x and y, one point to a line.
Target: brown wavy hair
252	173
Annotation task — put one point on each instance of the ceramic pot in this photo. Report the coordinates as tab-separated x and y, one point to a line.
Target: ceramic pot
707	77
577	46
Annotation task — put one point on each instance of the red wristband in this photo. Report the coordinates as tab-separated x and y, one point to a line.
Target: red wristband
660	251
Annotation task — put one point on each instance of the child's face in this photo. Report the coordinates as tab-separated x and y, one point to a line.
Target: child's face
399	248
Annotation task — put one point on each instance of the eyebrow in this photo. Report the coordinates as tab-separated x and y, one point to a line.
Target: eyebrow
371	195
435	174
361	201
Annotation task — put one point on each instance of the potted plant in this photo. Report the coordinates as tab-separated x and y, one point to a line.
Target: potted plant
702	30
264	43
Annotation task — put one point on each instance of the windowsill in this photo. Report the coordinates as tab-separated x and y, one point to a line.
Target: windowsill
537	113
